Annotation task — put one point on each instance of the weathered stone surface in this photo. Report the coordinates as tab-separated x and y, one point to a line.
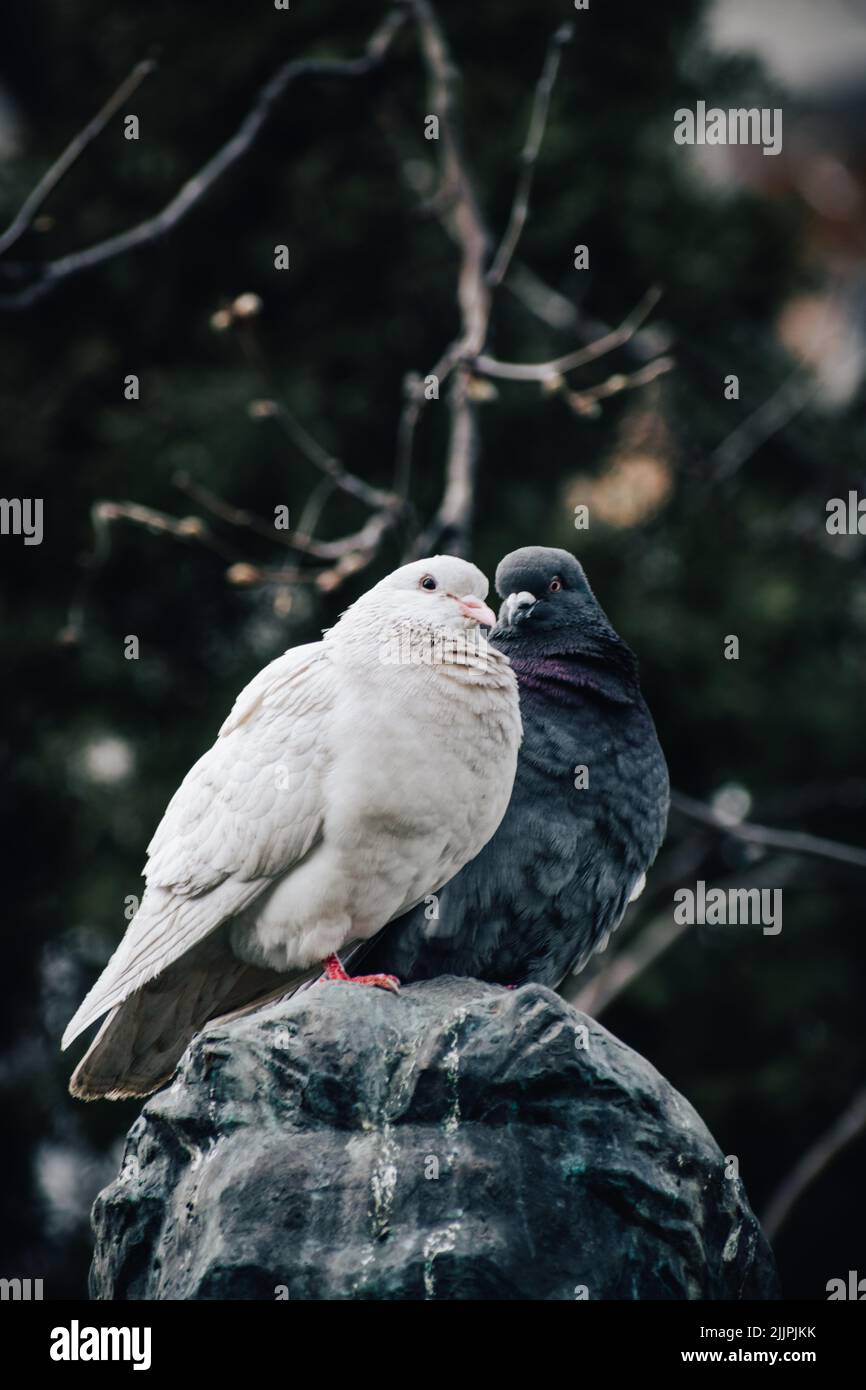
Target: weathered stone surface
300	1146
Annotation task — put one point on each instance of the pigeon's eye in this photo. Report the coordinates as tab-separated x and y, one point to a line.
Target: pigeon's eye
429	583
555	585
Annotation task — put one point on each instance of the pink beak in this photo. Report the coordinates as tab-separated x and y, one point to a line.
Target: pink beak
476	608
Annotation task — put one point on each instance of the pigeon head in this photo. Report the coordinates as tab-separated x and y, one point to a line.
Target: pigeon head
548	607
443	593
543	588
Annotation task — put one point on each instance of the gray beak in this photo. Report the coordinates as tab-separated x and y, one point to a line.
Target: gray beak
515	608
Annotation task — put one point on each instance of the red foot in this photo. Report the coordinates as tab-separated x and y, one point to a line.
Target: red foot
337	975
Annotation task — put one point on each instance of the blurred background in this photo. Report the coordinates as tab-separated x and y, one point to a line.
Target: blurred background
707	514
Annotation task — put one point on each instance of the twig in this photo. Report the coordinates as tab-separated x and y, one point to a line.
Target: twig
299	540
453	519
593	996
413	404
542	300
780	408
583	402
188	528
467	223
76	147
329	562
558	366
237	516
413	407
194	190
314	506
102	515
325	462
559	312
813	1163
338	558
529	155
793	841
776	412
353	553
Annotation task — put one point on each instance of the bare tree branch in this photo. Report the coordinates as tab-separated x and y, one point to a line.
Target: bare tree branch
413	403
773	415
543	301
328	563
454	516
339	558
793	841
466	225
850	1124
529	155
194	190
595	993
585	401
188	528
314	506
466	222
558	366
593	996
561	313
102	515
76	147
234	516
331	467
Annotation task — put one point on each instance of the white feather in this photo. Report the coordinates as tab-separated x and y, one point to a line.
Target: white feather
245	812
343	787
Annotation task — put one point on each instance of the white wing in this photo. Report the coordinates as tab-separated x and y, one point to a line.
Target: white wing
248	810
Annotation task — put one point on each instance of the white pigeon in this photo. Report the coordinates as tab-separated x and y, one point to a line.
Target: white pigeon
354	777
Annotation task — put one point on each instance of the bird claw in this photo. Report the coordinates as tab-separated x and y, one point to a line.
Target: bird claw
337	975
389	982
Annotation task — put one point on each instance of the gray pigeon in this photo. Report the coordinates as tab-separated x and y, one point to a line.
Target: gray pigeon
589	807
353	777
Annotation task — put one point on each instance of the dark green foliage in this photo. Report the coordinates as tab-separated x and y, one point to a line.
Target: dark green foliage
763	1035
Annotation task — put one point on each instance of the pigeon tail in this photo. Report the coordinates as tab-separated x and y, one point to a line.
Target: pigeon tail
140	1043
